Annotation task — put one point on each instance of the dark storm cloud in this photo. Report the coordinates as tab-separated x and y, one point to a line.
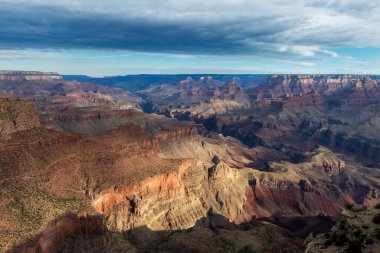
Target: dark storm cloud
55	27
200	27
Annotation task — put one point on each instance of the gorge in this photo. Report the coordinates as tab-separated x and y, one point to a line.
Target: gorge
256	163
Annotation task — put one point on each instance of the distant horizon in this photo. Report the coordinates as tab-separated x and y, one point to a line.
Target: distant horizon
189	74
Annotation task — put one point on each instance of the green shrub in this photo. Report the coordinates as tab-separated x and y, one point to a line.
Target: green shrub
354	246
342	225
369	241
376	218
247	249
348	206
357	232
377	233
327	243
341	240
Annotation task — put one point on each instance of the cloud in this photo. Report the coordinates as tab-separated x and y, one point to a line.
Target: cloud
296	33
187	27
306	51
108	56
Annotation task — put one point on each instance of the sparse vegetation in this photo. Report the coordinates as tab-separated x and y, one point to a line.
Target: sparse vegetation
342	224
340	240
376	218
32	207
369	241
354	246
247	249
376	233
348	206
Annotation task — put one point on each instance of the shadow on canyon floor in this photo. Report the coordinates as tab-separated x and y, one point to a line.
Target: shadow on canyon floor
214	233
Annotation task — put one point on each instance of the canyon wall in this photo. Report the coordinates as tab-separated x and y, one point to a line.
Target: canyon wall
20	76
177	200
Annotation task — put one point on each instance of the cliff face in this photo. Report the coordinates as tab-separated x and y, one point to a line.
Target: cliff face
20	76
53	95
208	108
296	112
190	99
280	86
176	200
322	184
346	121
17	115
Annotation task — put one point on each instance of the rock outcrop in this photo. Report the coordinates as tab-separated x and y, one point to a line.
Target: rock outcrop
175	201
190	100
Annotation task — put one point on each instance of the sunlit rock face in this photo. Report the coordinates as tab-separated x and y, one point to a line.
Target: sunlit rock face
176	200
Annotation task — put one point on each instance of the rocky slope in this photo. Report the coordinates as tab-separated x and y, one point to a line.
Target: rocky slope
358	230
17	115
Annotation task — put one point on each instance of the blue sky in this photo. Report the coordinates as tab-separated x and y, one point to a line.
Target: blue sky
118	37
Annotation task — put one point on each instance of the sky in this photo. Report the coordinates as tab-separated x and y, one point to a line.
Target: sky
120	37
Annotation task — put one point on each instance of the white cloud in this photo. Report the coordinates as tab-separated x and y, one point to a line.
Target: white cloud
306	51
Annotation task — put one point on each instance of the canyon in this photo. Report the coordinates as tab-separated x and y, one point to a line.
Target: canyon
203	164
